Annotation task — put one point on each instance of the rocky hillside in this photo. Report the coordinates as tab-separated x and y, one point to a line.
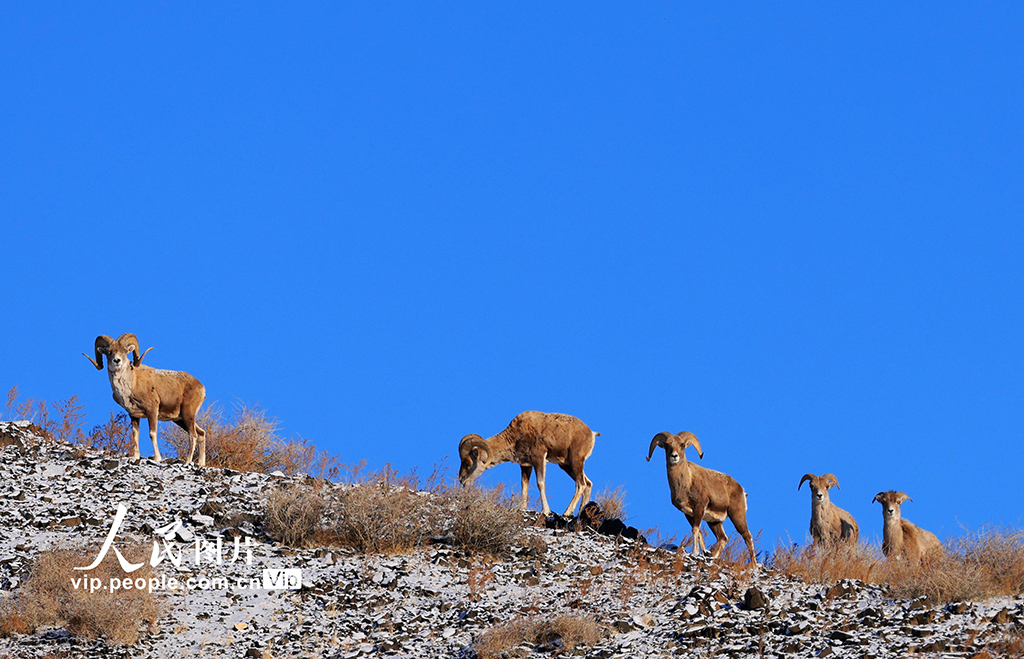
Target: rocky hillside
438	600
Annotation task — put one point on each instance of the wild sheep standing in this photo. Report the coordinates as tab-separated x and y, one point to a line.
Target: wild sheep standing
531	440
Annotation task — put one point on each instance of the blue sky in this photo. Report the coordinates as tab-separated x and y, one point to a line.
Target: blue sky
796	232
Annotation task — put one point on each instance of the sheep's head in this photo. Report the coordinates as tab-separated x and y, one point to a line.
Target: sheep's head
117	352
819	486
891	501
674	446
474	458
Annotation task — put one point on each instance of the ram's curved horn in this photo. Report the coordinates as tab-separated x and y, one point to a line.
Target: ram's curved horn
830	480
689	439
143	355
470	442
806	478
100	348
128	339
659	440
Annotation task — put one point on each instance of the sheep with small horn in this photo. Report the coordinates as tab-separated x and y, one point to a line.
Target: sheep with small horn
155	394
830	524
900	538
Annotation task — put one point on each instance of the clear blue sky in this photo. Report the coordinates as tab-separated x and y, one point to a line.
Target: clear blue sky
796	232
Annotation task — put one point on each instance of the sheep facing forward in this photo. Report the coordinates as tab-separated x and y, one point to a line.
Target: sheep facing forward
830	524
156	394
900	538
531	440
703	494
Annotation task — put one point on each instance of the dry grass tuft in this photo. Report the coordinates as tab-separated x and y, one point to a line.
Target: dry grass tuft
979	565
559	635
294	516
383	512
613	503
815	565
114	436
246	439
49	598
485	520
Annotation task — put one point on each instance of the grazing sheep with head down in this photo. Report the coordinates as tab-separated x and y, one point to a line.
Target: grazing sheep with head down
703	494
900	538
829	523
531	440
153	393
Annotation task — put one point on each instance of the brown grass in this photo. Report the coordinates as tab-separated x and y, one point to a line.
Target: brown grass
294	516
70	411
978	565
384	513
49	598
114	436
613	503
484	520
244	439
561	635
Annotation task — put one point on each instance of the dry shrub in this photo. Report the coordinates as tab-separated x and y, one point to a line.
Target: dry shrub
49	598
71	414
562	634
484	520
245	439
386	512
114	436
294	516
826	566
383	512
613	503
975	566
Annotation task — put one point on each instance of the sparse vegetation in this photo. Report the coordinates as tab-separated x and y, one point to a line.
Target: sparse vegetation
612	503
484	520
975	566
244	439
49	597
294	516
561	635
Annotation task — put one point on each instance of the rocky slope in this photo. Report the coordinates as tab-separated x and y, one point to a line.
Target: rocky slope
434	601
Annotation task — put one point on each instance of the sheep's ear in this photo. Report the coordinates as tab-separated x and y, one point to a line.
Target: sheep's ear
902	496
878	497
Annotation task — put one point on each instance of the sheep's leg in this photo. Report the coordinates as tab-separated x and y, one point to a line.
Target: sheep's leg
571	510
196	435
721	538
152	436
541	470
740	522
135	436
700	536
527	470
202	444
695	520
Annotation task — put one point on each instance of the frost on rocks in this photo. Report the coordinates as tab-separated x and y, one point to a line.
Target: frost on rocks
432	602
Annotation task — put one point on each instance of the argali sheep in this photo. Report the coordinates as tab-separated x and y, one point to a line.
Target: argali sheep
830	524
155	394
900	538
703	494
531	440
